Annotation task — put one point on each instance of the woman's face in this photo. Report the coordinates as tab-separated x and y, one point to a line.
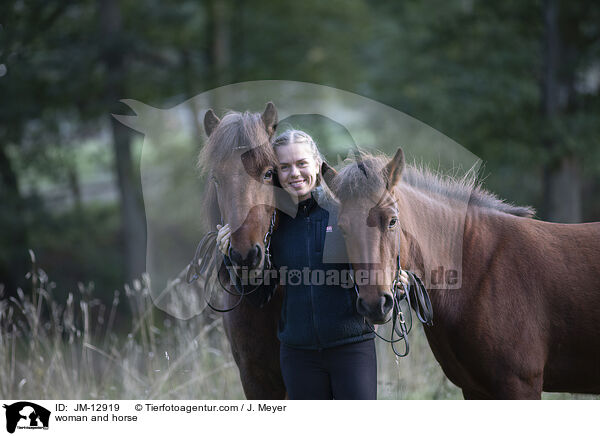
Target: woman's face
297	169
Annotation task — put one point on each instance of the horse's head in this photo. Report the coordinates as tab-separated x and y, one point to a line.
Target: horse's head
239	162
369	219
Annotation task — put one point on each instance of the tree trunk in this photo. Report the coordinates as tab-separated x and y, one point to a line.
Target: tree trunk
188	80
14	260
562	184
129	186
563	191
218	54
238	41
74	186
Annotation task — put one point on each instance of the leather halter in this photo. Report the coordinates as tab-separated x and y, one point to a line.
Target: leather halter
416	298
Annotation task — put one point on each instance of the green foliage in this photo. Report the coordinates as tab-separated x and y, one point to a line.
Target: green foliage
469	69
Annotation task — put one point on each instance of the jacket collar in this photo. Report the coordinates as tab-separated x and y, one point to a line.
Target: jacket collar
306	206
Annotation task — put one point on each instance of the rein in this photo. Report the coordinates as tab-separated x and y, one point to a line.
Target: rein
201	261
416	298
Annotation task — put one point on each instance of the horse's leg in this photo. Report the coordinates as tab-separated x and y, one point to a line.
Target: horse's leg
252	332
515	388
511	388
510	385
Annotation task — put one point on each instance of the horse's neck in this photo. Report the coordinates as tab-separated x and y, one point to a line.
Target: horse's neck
457	243
433	229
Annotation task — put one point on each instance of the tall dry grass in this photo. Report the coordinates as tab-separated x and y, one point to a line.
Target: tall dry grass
79	348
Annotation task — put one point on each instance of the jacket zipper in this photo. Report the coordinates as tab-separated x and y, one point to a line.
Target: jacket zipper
312	305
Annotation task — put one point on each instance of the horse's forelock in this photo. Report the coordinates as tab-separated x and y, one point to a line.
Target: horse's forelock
236	132
360	178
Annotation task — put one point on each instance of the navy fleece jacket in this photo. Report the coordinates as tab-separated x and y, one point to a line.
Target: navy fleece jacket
319	312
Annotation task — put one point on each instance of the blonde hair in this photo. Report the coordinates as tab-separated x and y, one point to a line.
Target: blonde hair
299	137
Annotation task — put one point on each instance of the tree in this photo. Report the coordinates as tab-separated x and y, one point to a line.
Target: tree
113	54
570	34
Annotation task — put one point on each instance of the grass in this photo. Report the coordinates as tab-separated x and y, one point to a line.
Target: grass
80	348
73	349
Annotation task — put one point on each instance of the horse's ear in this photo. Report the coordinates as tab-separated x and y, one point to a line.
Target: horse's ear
269	118
393	170
210	122
328	173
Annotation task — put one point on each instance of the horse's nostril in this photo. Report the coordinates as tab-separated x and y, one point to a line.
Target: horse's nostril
387	302
254	257
235	257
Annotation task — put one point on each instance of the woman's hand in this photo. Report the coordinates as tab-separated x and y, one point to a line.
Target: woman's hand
223	237
404	277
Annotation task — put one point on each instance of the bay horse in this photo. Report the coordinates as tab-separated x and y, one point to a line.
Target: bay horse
525	315
238	161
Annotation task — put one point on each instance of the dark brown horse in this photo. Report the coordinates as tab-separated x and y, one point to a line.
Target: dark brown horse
238	161
516	312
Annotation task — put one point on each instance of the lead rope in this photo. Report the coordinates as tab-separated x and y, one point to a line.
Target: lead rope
200	262
398	320
421	306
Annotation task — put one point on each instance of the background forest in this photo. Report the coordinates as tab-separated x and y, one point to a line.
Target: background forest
517	83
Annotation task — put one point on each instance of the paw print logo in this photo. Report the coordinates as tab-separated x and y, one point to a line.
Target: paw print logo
294	277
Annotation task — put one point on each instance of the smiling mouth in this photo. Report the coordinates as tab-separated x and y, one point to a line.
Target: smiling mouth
297	183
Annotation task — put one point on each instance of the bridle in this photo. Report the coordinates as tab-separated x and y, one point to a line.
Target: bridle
202	259
416	298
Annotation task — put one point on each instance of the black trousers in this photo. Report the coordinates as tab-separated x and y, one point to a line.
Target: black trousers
346	372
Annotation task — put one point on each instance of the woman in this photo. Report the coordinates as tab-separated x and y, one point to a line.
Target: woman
327	348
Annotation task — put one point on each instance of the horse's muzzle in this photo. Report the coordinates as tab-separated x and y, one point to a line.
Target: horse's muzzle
376	311
252	259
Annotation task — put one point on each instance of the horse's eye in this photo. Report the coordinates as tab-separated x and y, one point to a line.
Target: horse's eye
268	175
393	223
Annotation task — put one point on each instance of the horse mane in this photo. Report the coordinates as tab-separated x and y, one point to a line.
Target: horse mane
236	132
364	175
